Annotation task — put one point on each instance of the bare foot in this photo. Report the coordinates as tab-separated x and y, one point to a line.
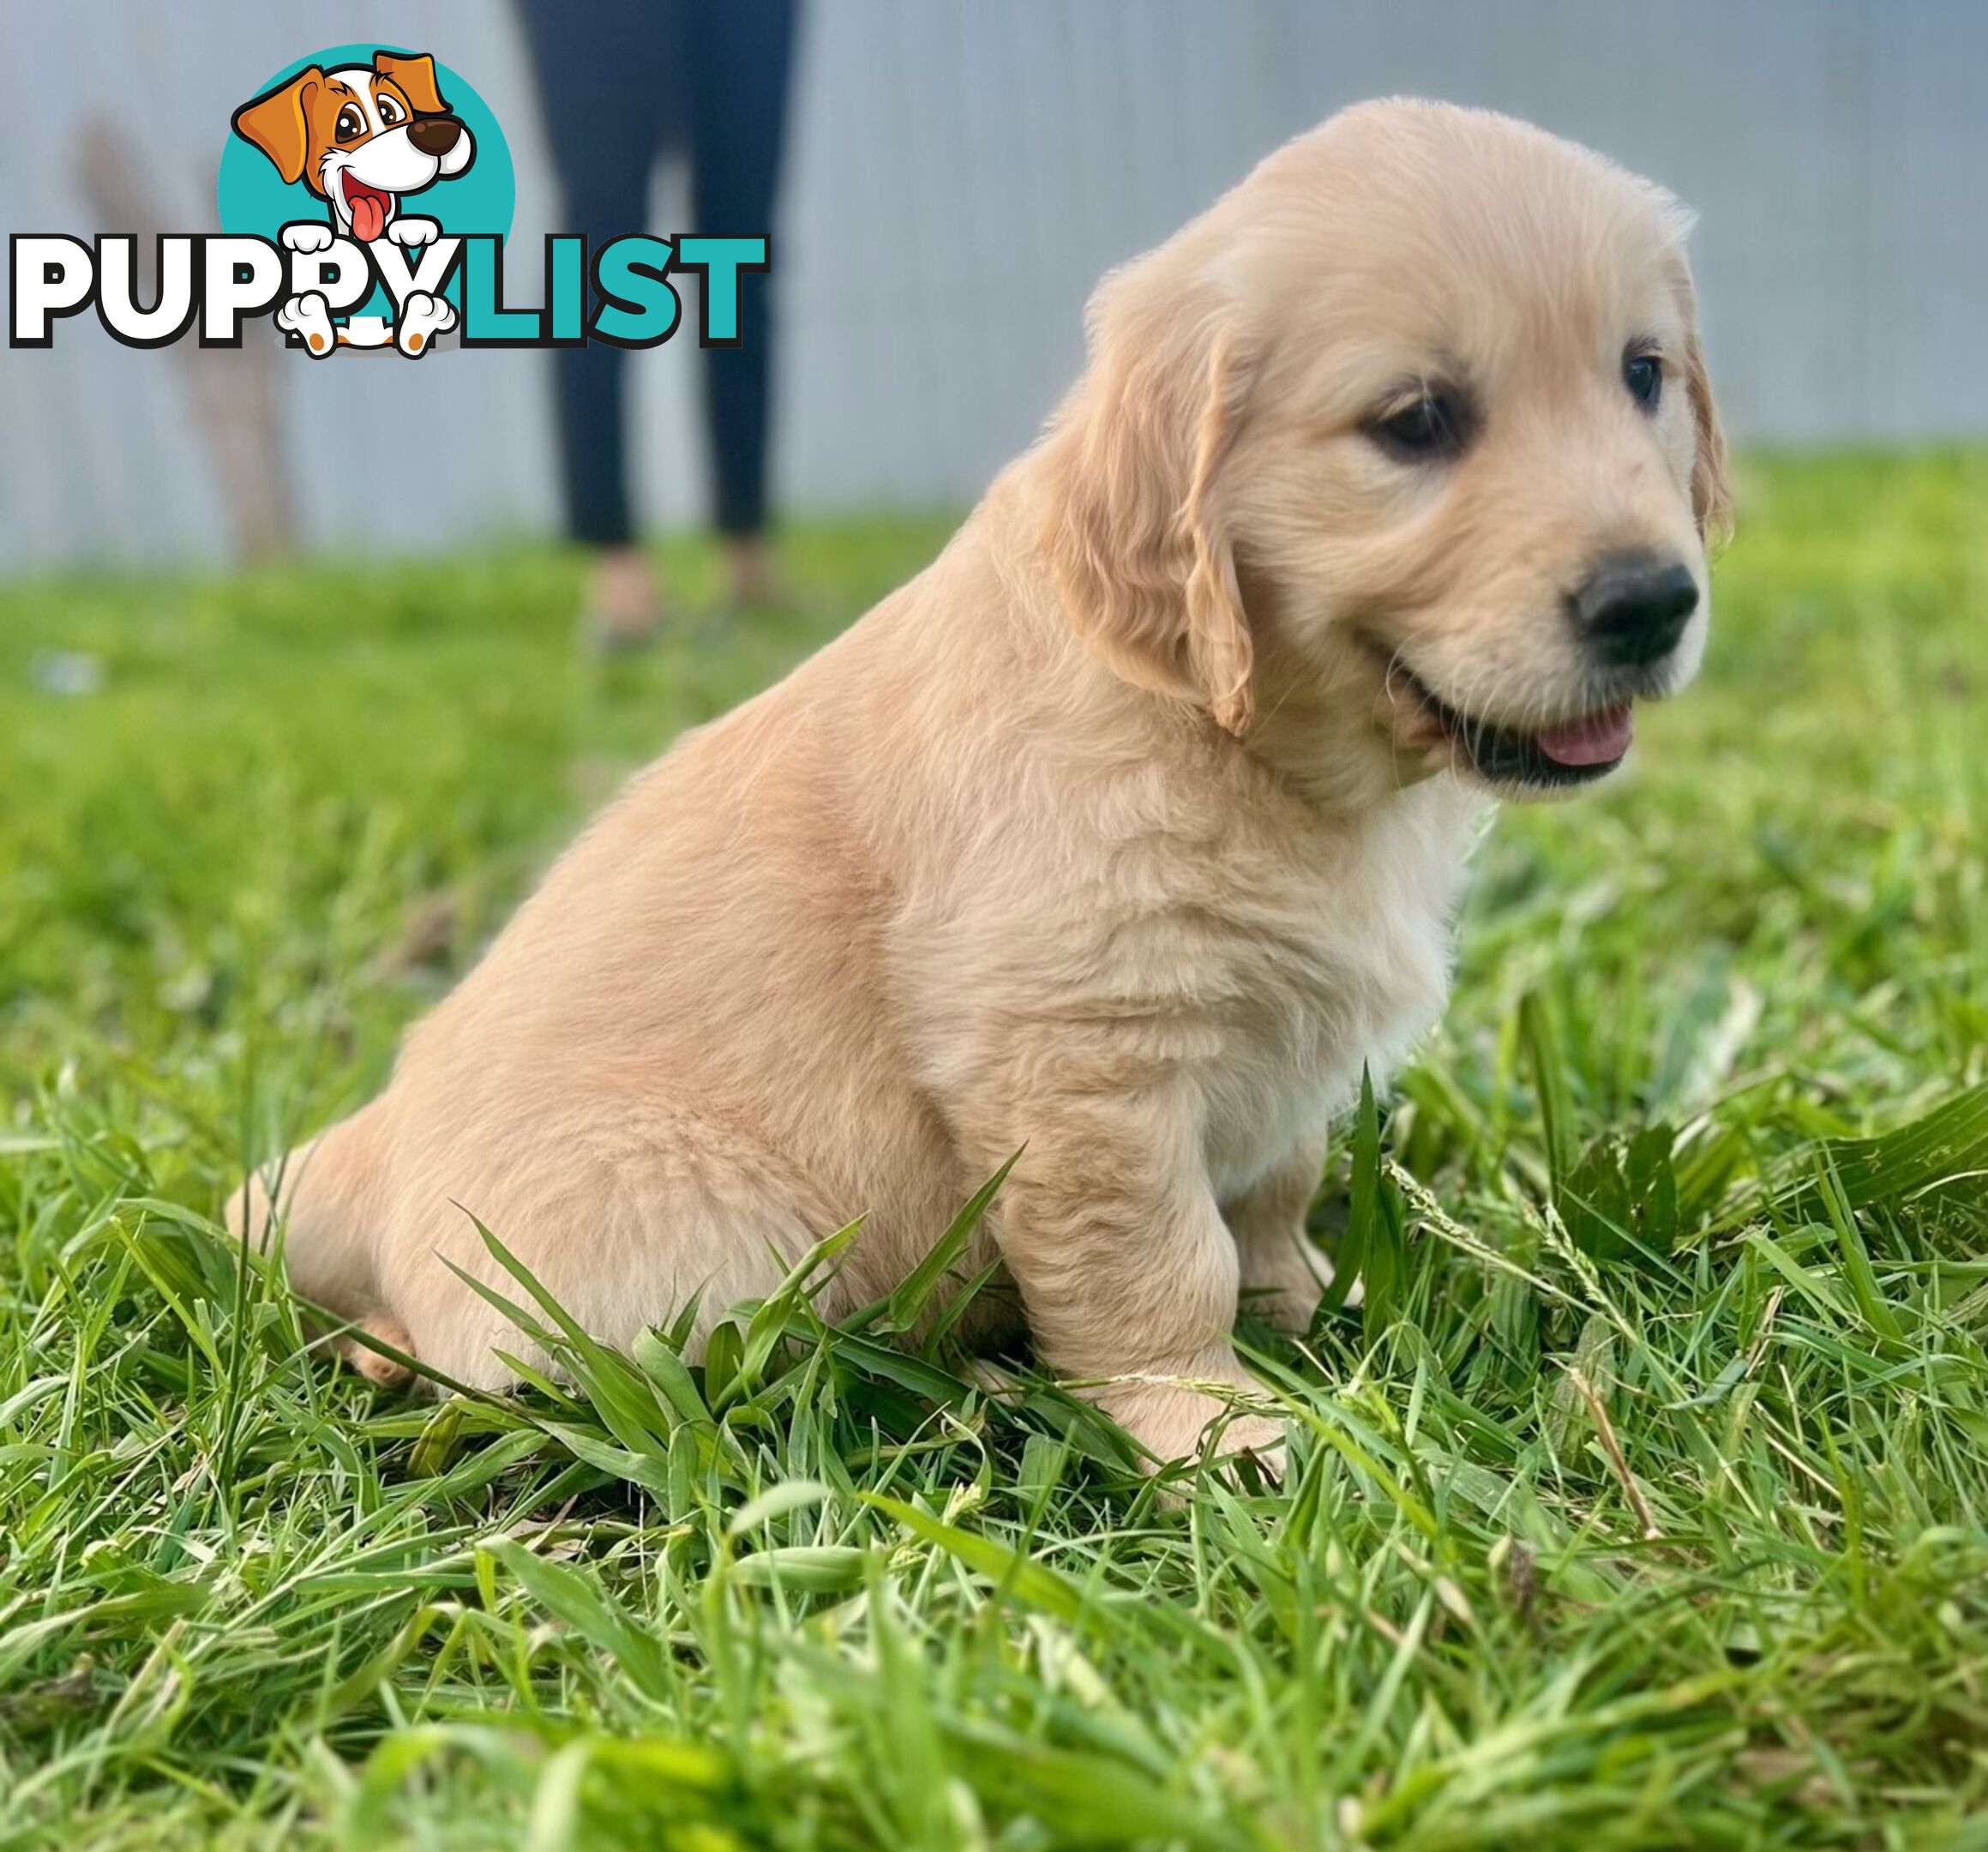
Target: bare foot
753	581
623	603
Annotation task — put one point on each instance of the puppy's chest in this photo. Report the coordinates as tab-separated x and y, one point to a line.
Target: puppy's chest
1312	980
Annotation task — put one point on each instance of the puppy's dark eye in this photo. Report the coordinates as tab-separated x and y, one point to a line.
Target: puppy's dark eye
350	124
1644	374
391	111
1433	425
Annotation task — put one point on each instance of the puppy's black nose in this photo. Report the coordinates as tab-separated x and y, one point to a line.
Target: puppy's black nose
1633	608
434	135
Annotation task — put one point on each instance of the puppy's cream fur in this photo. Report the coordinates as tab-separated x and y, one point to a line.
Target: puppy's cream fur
1111	835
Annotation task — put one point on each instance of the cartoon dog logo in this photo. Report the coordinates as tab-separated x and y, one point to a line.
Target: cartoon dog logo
362	137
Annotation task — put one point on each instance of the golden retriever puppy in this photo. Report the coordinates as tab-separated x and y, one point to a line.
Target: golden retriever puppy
1125	834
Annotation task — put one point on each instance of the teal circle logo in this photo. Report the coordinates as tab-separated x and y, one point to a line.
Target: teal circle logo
373	143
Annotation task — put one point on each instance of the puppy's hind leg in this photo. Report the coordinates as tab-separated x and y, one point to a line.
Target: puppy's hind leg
622	1223
317	1207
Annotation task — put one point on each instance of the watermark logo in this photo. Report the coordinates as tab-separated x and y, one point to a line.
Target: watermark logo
366	196
361	147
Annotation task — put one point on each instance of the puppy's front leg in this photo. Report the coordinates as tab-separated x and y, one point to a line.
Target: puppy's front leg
1128	1272
1282	1274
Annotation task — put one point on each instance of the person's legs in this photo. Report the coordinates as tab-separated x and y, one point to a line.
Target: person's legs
741	55
604	74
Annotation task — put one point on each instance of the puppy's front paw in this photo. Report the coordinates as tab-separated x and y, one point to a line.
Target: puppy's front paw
307	234
382	1371
1255	1437
414	232
1173	1421
1286	1305
309	317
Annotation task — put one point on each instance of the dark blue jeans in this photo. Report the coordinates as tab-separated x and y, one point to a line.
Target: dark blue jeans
620	82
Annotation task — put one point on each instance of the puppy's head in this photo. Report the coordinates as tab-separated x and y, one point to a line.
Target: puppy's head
1401	459
359	137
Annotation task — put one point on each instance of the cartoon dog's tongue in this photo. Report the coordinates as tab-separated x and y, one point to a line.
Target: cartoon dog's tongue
1600	739
369	206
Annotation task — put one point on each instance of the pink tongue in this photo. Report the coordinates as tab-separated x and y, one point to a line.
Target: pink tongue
369	216
1600	739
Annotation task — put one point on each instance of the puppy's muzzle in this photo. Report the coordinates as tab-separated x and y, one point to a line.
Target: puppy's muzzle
1632	608
435	134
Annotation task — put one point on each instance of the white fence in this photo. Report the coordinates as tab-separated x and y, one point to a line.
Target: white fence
960	172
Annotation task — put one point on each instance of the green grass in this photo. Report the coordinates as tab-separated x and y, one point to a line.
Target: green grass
1644	1504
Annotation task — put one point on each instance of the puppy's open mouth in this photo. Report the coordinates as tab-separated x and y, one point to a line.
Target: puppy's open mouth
369	206
1558	757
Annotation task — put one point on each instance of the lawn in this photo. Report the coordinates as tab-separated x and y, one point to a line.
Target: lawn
1644	1503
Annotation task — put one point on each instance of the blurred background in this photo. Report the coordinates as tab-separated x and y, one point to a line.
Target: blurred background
958	177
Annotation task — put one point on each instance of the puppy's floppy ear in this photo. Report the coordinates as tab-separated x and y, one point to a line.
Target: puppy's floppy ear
416	76
275	123
1711	496
1135	539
